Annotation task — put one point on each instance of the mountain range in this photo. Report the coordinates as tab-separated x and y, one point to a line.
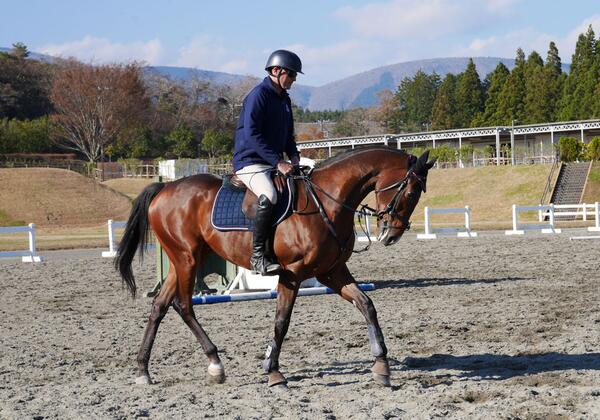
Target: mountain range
359	90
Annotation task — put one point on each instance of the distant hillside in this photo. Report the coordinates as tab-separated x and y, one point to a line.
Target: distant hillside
301	94
57	197
360	90
355	91
33	55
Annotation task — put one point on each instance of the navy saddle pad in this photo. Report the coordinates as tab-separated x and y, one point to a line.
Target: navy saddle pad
227	209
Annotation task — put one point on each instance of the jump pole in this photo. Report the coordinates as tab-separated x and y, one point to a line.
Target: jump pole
270	294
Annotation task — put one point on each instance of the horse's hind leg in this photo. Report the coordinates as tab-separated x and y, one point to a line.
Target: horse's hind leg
160	305
183	305
344	284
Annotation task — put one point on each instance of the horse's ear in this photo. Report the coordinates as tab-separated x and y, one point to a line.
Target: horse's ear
430	164
421	163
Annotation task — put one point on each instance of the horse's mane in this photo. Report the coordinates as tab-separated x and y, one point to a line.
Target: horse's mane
354	153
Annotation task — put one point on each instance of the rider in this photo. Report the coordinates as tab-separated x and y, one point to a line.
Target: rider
265	130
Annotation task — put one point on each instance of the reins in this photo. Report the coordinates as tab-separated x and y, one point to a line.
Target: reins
361	213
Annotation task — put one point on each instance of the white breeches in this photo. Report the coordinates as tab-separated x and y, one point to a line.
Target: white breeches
258	179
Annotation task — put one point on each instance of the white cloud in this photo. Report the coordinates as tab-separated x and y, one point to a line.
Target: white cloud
420	19
528	39
208	53
101	50
336	61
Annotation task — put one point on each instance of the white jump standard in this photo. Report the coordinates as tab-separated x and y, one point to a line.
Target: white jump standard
430	233
112	244
520	228
26	256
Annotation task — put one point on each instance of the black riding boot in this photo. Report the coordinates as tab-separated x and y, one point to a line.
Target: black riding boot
260	260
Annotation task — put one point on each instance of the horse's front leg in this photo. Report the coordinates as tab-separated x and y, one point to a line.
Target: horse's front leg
345	285
287	290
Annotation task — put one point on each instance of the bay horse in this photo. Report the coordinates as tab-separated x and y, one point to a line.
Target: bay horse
315	241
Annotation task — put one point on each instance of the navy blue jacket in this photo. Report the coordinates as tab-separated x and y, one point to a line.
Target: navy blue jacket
265	129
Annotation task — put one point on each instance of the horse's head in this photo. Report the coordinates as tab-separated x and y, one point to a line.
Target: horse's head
397	195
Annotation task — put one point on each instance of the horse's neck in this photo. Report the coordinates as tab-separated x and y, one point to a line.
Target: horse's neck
347	182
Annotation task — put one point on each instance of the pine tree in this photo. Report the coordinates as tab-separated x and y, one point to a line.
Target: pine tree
469	96
580	85
443	114
554	80
511	98
415	98
497	80
536	107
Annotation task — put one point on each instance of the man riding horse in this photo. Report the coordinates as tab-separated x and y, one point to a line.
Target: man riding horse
265	130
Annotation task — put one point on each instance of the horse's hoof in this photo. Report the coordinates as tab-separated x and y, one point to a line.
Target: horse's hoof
216	373
143	380
383	380
276	379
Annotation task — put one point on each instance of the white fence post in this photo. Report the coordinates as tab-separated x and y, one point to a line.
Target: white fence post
596	228
519	229
430	233
28	255
112	243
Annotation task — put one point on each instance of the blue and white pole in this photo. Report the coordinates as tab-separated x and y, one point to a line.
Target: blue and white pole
270	294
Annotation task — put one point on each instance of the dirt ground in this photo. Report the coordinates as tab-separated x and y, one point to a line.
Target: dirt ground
492	327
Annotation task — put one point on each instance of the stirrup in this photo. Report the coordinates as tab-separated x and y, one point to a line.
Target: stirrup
264	267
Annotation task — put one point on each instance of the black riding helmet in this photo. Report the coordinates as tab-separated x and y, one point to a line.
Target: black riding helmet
285	59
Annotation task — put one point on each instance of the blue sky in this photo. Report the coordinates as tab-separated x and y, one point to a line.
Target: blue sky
334	38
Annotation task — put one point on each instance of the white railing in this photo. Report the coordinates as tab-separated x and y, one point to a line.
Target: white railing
585	211
430	233
112	243
520	228
30	254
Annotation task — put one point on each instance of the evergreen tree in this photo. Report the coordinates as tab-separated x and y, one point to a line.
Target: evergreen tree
497	80
579	89
511	98
469	96
554	81
536	106
443	114
24	85
553	61
415	99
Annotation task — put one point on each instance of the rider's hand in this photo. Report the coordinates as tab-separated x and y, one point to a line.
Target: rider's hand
285	168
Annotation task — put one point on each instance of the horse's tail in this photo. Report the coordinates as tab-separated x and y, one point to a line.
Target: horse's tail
136	234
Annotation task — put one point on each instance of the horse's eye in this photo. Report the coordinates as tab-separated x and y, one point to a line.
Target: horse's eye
411	194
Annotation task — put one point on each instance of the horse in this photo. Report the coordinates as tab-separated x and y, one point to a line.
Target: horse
315	241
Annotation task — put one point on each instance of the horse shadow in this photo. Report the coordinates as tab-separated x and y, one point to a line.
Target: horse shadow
500	366
430	282
477	367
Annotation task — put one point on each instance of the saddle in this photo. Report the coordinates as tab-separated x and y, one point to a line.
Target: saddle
235	205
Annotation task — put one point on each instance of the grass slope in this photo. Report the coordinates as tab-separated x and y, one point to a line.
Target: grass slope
489	191
592	188
131	187
57	197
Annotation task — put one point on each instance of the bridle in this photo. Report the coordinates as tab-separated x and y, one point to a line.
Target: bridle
390	208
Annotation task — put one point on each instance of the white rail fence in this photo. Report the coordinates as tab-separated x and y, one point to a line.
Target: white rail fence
431	233
520	228
584	211
28	255
112	243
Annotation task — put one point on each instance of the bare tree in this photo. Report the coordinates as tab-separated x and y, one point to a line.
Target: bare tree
94	103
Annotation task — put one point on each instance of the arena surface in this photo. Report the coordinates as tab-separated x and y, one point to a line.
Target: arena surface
492	327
